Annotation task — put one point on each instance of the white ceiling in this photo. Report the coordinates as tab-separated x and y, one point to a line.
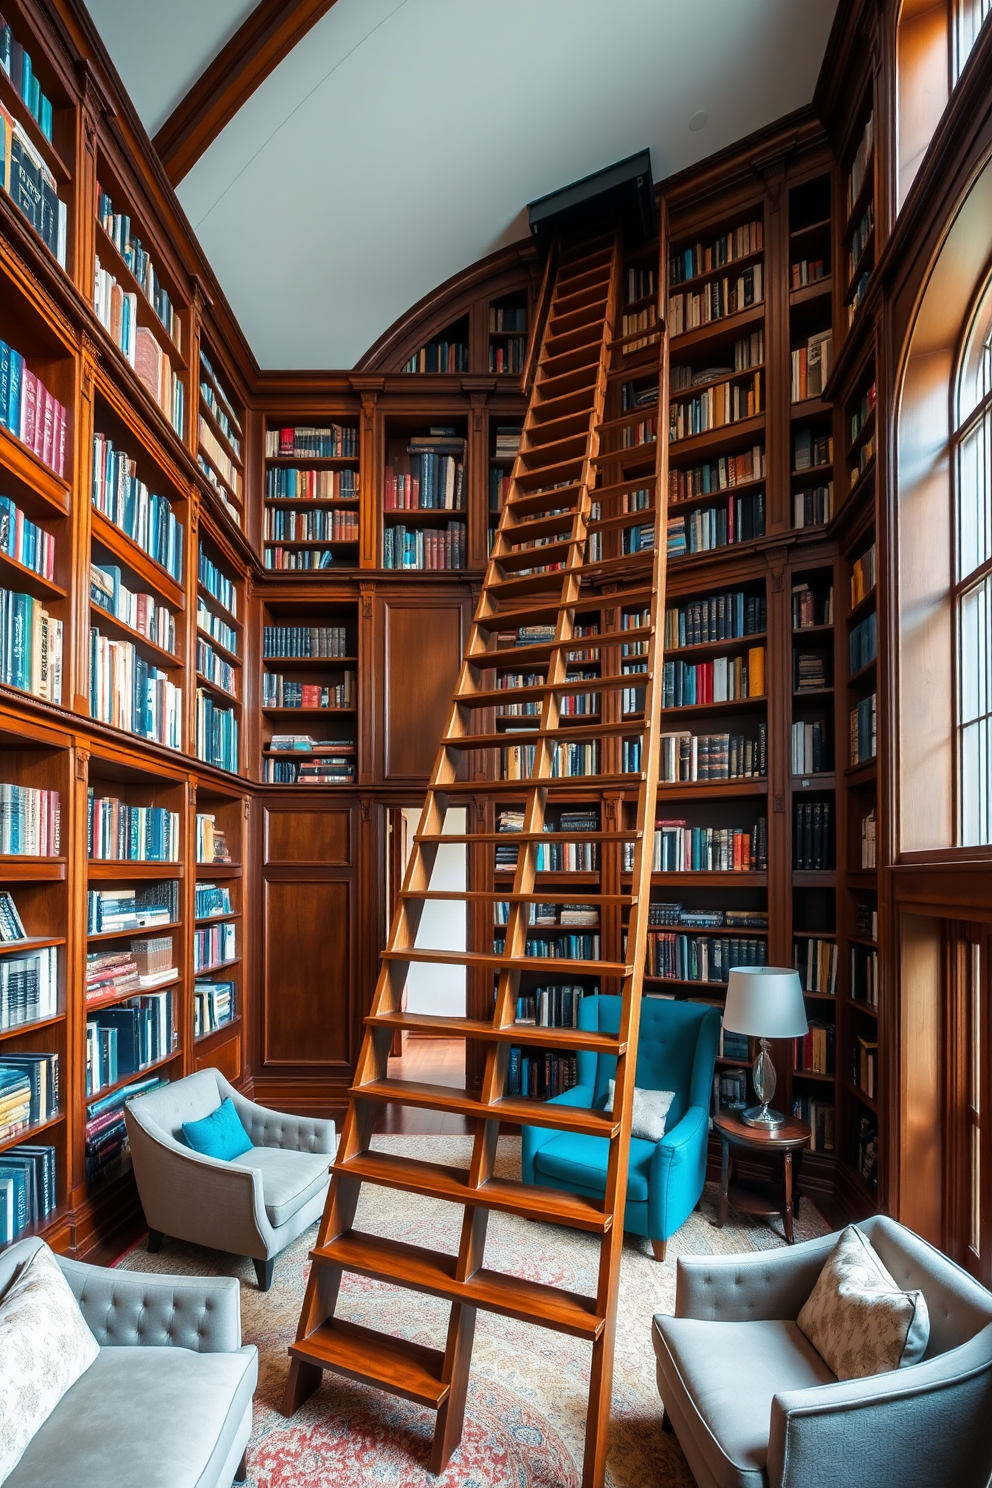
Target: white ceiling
401	140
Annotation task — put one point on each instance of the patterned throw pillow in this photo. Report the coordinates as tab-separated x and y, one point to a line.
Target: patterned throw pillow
856	1317
45	1346
650	1112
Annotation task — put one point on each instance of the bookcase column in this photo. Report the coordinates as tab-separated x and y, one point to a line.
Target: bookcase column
369	482
366	684
778	457
76	686
190	564
477	489
83	264
73	1094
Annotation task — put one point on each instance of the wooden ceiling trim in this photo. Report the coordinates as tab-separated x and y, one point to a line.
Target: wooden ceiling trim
254	51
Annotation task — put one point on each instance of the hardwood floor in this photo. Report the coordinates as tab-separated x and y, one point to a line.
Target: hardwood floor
435	1062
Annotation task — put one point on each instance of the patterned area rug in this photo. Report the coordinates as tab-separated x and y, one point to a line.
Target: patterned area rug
525	1416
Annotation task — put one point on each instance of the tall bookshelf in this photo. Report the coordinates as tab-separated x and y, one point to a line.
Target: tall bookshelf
312	517
425	493
309	693
221	447
220	610
218	940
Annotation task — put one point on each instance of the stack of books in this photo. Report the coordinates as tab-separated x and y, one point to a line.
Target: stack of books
42	1074
812	837
29	989
213	1006
133	834
29	822
31	413
106	1134
131	909
27	1189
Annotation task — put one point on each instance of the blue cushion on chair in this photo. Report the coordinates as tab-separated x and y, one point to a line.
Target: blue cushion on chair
218	1135
578	1160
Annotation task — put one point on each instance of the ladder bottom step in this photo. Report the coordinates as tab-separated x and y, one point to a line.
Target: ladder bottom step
431	1271
379	1359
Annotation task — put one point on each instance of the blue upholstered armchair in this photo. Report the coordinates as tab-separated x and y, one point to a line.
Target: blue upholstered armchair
676	1051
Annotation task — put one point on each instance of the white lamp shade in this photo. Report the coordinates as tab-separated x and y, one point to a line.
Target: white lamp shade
765	1002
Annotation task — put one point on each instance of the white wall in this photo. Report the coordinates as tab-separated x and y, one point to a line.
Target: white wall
440	989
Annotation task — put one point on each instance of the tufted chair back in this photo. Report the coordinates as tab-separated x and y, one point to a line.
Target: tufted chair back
675	1049
162	1112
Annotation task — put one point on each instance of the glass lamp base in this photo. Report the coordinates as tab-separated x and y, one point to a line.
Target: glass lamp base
762	1117
763	1075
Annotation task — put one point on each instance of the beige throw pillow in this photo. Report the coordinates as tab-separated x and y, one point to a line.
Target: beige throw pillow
45	1346
650	1112
856	1317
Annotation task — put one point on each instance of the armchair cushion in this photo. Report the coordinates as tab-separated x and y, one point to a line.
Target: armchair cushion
650	1111
580	1162
722	1378
289	1179
219	1135
858	1319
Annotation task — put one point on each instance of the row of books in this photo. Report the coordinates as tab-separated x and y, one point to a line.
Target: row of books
860	237
812	750
30	646
863	576
716	300
214	453
729	1090
869	840
221	491
217	583
117	311
714	407
307	744
29	822
673	956
286	483
30	412
436	481
216	628
285	692
303	559
811	450
553	857
11	924
141	965
24	541
120	832
555	1006
864	975
633	540
644	431
574	947
819	1117
707	757
137	908
31	186
866	919
864	735
859	165
812	835
211	840
583	915
862	643
214	1005
420	548
717	617
811	671
106	1135
749	351
214	944
130	693
142	612
717	475
215	668
807	271
304	640
216	733
864	1065
315	526
813	506
336	442
687	684
16	63
508	358
439	356
125	1040
679	848
504	318
218	401
812	607
539	1074
117	226
667	912
29	987
639	320
640	284
732	1045
741	520
321	769
517	761
811	366
28	1192
862	411
148	520
211	899
815	1051
569	705
816	963
697	258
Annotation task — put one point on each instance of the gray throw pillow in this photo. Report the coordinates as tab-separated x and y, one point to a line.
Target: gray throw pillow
650	1112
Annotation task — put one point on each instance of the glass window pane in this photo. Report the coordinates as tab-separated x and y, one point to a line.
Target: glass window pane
976	768
974	499
971	14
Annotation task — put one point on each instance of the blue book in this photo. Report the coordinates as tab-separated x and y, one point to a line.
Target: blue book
14	1179
14	385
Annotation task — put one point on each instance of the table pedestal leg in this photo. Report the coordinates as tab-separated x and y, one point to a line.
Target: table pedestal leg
790	1237
721	1218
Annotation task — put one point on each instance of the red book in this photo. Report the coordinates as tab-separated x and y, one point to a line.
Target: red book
389	490
310	695
48	428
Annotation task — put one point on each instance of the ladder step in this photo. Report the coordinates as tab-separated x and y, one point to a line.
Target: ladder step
393	1364
400	1264
438	1181
431	957
576	422
545	524
493	697
516	656
433	838
571	731
439	1026
424	1096
567	317
570	361
554	784
555	452
576	298
552	388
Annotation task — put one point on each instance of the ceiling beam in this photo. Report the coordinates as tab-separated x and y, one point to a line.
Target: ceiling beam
254	51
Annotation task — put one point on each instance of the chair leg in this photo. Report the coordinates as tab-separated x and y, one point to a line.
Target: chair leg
241	1471
666	1424
155	1238
263	1273
659	1247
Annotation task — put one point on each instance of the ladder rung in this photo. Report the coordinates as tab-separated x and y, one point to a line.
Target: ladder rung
559	501
423	1096
430	957
534	583
436	838
557	428
393	1364
570	732
554	784
557	451
400	1264
632	416
578	318
437	1181
508	896
577	299
569	361
478	1028
549	552
545	524
639	363
537	691
644	517
551	389
544	650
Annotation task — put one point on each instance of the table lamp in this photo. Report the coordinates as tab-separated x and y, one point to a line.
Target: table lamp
765	1002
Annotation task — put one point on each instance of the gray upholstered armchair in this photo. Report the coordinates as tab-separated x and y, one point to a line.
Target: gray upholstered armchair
754	1405
167	1401
254	1205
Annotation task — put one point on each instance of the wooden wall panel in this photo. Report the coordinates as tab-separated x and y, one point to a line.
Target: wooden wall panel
422	650
921	1185
226	1057
308	952
308	837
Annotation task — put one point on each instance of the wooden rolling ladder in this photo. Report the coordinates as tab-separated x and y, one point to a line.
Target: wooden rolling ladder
535	578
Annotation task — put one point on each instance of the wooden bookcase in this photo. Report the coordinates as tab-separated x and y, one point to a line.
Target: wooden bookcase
221	435
220	831
220	609
309	687
316	497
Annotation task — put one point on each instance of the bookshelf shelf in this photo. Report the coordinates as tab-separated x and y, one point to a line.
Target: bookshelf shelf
105	621
148	1069
31	1132
123	868
232	1025
725	329
859	1095
38	1026
25	465
12	572
708	789
116	997
717	648
202	971
819	289
117	542
111	258
105	935
20	868
818	1075
862	774
719	441
809	408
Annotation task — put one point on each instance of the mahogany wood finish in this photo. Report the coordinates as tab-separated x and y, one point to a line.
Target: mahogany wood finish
763	1198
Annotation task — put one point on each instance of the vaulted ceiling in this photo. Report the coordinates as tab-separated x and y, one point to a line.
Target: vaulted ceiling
400	140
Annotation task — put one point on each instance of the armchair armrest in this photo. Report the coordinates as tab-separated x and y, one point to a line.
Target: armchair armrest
533	1138
924	1426
683	1138
749	1288
125	1308
276	1129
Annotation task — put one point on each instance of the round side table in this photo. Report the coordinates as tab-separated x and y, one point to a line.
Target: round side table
753	1196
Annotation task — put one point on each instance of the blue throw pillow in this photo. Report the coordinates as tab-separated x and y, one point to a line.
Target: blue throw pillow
218	1135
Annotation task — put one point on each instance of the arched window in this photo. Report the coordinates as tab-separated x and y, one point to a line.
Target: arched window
970	16
972	466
